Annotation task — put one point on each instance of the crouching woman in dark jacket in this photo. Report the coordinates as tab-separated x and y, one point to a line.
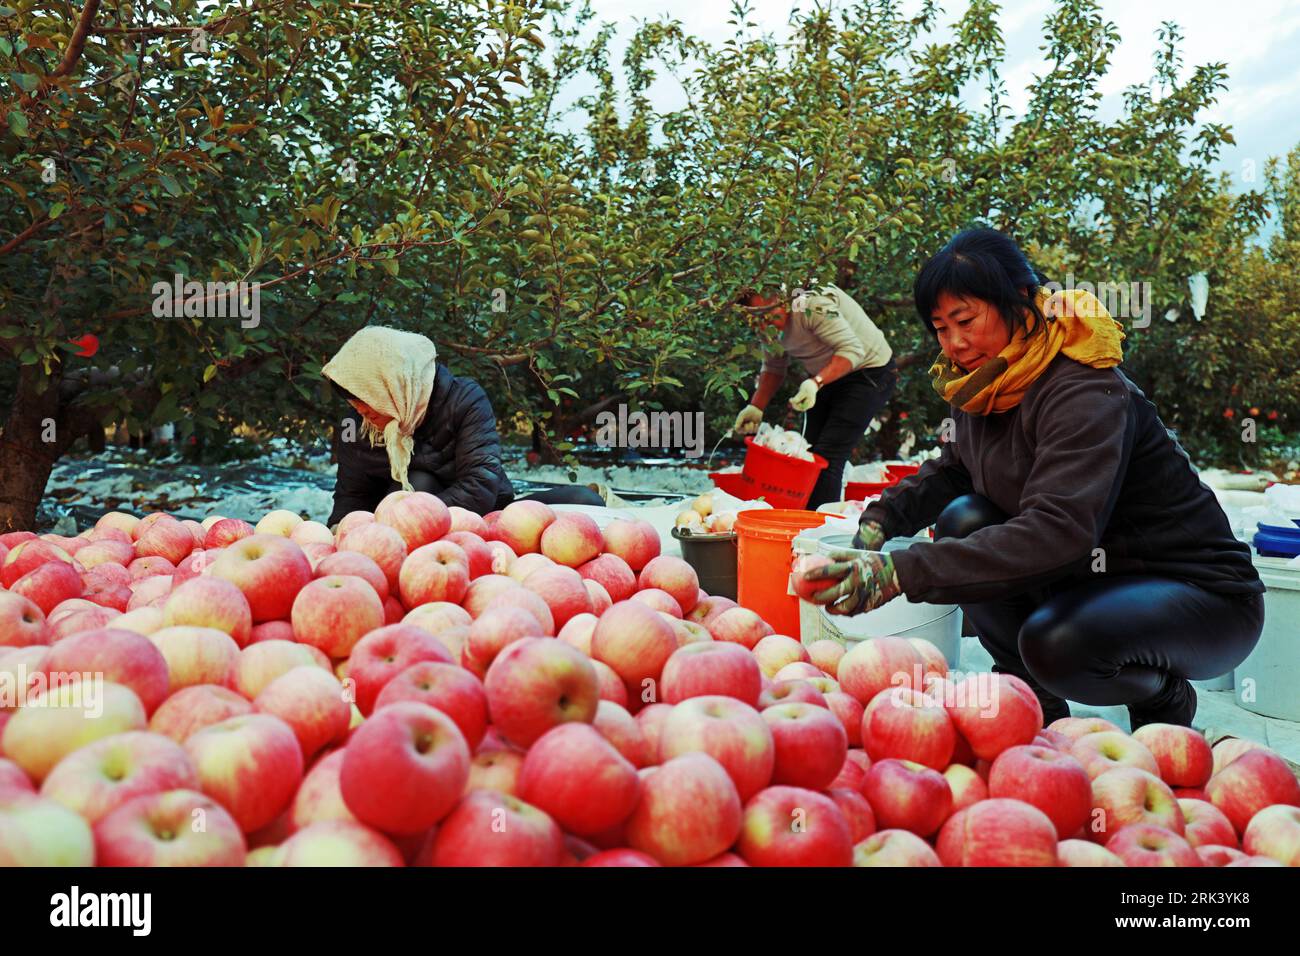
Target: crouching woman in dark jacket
1070	525
417	427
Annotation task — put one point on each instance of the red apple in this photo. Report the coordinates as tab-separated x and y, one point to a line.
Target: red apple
1106	750
226	532
419	517
336	843
1128	795
876	664
998	832
1219	855
856	810
26	556
633	540
264	661
612	573
651	721
739	625
492	632
434	572
709	607
251	765
463	519
564	591
1076	727
967	786
994	712
524	599
311	701
438	616
269	569
1229	749
660	600
611	686
1145	844
384	653
577	632
382	544
689	811
1076	853
635	641
894	848
476	550
1045	778
620	857
674	575
1206	825
196	655
101	776
1255	780
907	796
729	731
61	716
22	623
123	657
776	650
1182	754
49	584
574	774
792	826
849	712
521	525
1274	832
495	770
194	708
906	724
210	602
810	745
404	768
444	686
175	828
354	564
536	684
572	539
711	669
489	828
621	729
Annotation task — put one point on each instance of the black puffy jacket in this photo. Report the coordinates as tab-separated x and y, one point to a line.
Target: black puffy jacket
457	455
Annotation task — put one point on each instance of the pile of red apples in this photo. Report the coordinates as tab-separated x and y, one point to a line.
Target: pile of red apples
426	686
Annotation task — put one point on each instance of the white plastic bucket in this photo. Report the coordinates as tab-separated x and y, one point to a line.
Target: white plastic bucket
1266	681
940	624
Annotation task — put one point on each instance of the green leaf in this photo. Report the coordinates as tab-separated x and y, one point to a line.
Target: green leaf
57	210
26	81
209	373
170	184
18	122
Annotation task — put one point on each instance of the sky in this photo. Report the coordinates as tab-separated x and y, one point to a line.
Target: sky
1256	39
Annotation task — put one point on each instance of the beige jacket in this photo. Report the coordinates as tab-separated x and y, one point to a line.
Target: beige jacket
830	324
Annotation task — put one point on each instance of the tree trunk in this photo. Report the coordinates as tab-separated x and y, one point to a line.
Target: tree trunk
26	459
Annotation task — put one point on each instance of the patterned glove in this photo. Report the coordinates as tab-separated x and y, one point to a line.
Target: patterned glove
806	397
870	536
866	582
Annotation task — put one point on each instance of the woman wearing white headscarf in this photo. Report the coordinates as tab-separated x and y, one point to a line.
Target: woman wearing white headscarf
417	427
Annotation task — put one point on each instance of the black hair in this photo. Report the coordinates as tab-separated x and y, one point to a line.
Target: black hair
981	263
343	392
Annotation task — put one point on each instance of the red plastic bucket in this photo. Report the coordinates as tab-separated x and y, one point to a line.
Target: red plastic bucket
899	472
782	480
861	490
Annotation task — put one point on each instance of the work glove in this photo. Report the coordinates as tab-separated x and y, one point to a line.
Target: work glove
870	536
748	420
865	582
806	397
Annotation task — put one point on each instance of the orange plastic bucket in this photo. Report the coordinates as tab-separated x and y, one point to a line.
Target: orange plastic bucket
764	538
783	481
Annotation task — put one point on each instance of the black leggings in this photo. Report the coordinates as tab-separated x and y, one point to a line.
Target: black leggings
837	422
1104	639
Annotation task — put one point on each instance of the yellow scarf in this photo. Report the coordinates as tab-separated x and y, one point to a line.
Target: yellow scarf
1082	329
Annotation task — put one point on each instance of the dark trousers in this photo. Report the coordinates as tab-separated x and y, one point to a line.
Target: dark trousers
837	422
1104	639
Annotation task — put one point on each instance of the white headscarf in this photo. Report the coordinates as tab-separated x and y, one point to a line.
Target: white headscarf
392	372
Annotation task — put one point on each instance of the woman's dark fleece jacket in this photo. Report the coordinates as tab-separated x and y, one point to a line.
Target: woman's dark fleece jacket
1082	462
456	446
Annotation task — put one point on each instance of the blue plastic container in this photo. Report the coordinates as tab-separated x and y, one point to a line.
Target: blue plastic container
1276	541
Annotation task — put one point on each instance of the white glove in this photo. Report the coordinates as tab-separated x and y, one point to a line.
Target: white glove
806	397
748	420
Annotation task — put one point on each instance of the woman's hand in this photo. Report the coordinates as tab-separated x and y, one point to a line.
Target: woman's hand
870	536
865	582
